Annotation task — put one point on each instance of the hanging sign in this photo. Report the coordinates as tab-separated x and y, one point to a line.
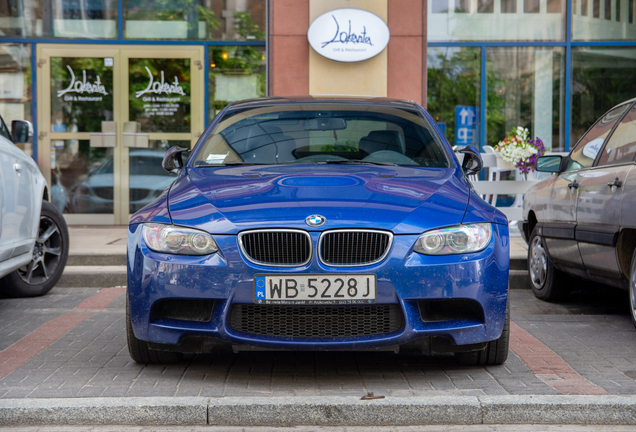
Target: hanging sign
348	35
161	98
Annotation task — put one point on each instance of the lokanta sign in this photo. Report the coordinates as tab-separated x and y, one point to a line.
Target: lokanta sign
348	35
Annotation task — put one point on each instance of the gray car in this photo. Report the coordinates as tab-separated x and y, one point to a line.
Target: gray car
581	221
33	234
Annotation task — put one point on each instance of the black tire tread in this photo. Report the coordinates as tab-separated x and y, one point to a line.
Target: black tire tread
139	350
557	284
13	286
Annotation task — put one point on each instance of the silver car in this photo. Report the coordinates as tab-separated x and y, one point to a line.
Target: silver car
34	238
581	221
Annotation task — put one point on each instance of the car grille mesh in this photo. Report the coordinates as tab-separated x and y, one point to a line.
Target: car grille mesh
277	247
353	248
334	321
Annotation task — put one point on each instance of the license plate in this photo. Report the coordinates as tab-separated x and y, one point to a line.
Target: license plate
314	289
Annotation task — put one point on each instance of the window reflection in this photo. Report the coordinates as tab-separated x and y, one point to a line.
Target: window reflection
195	19
525	88
496	20
604	20
61	18
236	72
601	79
15	85
453	80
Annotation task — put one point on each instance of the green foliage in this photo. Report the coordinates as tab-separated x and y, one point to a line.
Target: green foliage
454	80
246	27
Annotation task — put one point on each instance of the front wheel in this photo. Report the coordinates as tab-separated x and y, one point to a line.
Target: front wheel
547	282
139	350
496	352
50	254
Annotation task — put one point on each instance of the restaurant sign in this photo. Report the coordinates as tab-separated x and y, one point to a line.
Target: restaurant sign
348	35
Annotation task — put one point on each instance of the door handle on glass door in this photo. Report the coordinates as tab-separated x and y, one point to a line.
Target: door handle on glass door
616	183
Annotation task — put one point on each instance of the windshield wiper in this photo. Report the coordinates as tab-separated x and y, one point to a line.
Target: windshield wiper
357	162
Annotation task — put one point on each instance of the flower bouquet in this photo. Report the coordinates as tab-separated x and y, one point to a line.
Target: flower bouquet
520	151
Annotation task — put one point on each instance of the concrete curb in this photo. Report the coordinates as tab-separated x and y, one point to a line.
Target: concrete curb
321	411
92	276
104	411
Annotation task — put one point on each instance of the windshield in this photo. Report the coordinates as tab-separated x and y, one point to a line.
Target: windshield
328	133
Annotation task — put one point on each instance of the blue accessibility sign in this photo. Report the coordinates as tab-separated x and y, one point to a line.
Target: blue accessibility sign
465	125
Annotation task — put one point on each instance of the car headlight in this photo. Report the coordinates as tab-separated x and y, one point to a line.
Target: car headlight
176	240
454	240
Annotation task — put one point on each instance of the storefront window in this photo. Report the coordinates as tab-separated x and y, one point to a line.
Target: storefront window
15	85
601	78
159	97
603	20
81	93
496	20
236	72
453	85
195	19
525	88
61	18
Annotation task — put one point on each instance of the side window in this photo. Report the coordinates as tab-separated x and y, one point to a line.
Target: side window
4	131
587	149
621	146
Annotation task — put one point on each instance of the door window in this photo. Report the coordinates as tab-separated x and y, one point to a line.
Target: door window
81	93
585	152
160	94
622	145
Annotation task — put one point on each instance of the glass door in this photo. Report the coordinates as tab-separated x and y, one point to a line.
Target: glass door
107	115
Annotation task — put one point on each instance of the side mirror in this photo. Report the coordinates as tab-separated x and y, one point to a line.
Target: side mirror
21	131
172	161
472	163
550	164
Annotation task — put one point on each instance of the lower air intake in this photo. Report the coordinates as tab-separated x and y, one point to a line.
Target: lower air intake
334	321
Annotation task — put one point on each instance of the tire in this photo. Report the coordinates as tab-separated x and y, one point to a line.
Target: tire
632	288
49	258
496	352
547	282
139	350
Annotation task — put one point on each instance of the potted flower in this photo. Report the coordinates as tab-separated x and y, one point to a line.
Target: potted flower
518	151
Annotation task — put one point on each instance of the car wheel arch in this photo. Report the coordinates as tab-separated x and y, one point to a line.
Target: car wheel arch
625	247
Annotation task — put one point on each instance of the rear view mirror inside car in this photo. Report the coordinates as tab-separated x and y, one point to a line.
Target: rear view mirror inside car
325	124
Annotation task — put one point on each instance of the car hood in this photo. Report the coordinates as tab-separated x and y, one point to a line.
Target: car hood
400	199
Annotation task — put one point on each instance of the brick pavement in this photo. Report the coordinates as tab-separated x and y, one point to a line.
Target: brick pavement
92	358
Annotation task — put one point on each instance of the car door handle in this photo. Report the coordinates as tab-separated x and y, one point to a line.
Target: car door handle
573	185
17	167
616	183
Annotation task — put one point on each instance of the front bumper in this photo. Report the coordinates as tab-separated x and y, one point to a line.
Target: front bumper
405	278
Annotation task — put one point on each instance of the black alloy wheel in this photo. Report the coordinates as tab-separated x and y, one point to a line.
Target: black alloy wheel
50	253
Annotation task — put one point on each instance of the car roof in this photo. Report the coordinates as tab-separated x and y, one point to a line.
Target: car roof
319	99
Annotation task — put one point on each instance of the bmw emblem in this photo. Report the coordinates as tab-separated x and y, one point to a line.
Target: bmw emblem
315	220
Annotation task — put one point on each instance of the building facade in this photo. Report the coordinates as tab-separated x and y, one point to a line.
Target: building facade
110	85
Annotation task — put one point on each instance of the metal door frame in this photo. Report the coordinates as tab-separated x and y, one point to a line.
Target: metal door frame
120	54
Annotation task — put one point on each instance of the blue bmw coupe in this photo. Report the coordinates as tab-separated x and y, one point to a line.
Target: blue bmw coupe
320	223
